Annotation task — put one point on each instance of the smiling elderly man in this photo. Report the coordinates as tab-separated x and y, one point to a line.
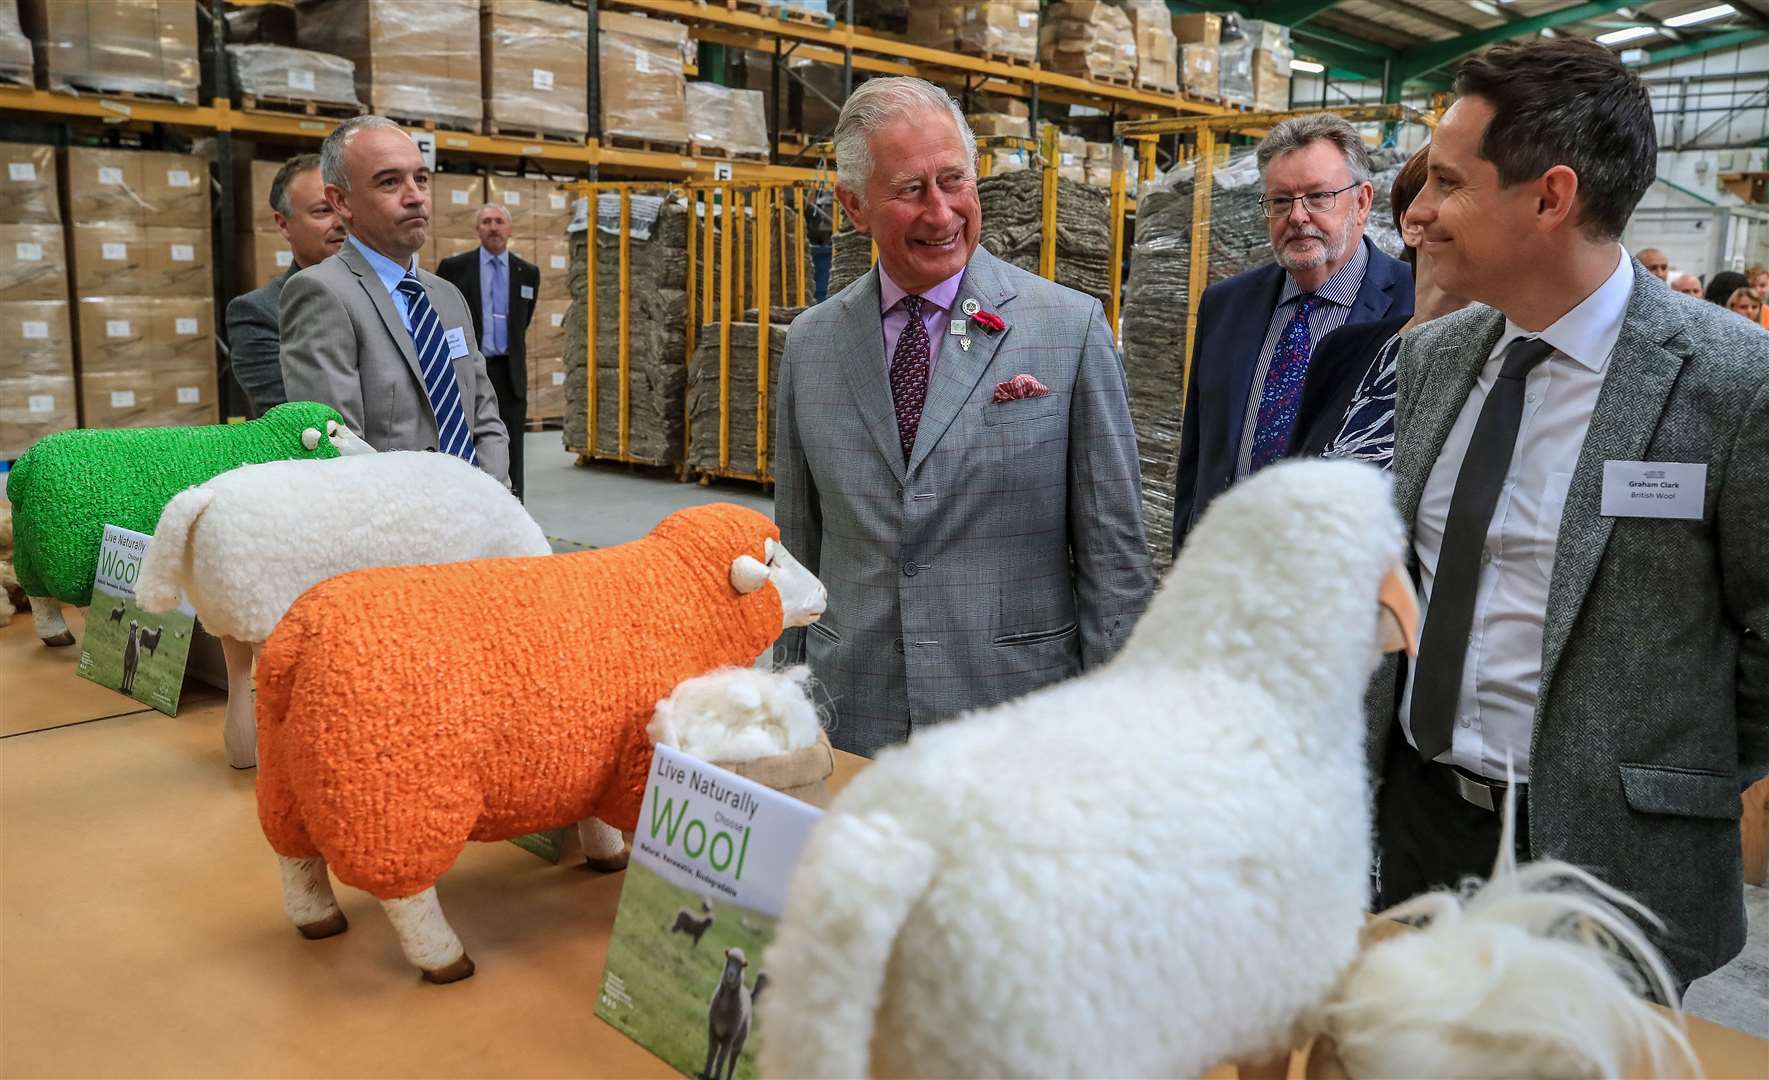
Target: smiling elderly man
1257	330
955	458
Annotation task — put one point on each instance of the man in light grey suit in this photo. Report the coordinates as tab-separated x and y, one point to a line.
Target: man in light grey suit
954	456
1585	466
388	345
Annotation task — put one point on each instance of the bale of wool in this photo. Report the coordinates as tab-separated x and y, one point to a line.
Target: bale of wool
703	389
850	258
1013	228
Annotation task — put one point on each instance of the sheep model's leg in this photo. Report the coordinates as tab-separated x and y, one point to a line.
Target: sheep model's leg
605	849
46	614
239	734
308	899
429	942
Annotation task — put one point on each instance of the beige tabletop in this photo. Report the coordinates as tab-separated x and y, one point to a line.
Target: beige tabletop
142	933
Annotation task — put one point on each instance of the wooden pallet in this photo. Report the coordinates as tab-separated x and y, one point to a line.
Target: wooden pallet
1111	81
627	142
723	153
558	138
127	96
1149	86
283	106
429	123
1011	61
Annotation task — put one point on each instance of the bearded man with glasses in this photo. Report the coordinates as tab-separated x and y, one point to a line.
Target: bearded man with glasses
1257	330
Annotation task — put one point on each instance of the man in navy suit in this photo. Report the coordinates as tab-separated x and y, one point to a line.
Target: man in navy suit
1256	331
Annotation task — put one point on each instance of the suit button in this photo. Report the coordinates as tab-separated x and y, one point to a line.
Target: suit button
899	494
897	645
909	569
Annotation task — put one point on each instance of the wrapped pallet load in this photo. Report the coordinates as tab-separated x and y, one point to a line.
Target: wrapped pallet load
1089	38
276	73
1013	228
415	62
1200	71
644	89
15	47
727	122
1157	49
145	47
37	389
536	81
999	30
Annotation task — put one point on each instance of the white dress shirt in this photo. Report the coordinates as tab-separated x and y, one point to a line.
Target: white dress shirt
1495	710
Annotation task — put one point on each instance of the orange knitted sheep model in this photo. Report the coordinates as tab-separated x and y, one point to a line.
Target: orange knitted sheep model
400	715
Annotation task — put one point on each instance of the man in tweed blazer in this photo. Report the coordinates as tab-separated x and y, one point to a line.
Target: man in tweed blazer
979	531
1612	657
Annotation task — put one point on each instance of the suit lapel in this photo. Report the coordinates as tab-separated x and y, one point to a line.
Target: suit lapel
1641	375
958	370
377	293
1423	418
860	337
1373	301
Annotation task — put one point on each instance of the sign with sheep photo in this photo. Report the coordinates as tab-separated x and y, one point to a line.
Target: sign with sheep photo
134	652
687	963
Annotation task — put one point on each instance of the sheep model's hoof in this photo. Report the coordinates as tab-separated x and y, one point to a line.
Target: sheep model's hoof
607	864
61	640
330	926
455	972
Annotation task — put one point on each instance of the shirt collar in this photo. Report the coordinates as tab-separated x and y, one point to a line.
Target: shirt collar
940	296
1587	334
1342	287
390	272
487	257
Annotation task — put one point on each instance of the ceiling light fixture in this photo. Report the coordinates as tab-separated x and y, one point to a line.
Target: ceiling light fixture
1632	33
1486	9
1709	14
1306	65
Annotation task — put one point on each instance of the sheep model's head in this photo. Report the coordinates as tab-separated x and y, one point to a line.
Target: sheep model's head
802	597
316	430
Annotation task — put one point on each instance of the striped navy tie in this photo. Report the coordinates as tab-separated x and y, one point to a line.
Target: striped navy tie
453	435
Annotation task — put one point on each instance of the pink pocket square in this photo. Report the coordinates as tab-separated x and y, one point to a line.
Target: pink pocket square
1021	386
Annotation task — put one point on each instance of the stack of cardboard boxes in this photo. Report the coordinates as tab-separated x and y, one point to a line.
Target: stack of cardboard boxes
142	274
414	61
37	379
539	215
455	200
1200	63
1089	38
644	86
727	121
1269	43
1157	49
1098	162
995	29
546	355
146	47
534	71
1016	123
262	252
1072	157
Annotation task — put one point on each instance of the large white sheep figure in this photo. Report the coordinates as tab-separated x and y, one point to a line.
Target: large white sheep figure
1150	870
244	545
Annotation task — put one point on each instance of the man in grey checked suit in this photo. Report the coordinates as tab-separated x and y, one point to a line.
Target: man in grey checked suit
346	338
954	456
1585	466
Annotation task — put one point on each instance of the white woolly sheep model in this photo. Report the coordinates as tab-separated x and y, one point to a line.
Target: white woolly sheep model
1150	870
244	545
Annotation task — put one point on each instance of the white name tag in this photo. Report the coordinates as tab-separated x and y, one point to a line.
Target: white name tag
457	342
528	292
957	327
1654	489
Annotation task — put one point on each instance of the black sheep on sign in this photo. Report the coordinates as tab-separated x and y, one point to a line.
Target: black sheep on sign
695	926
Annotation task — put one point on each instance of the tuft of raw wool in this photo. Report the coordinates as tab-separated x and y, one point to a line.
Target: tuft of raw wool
8	579
69	485
738	714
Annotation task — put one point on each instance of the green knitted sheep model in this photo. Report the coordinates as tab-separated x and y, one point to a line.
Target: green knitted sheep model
69	485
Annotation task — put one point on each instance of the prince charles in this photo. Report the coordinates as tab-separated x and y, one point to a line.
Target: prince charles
954	455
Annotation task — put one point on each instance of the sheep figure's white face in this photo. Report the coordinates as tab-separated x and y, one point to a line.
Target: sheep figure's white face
339	436
802	597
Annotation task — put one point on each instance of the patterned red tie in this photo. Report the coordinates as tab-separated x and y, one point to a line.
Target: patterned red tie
909	373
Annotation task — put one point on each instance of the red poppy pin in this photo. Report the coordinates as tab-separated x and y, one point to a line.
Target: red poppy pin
989	321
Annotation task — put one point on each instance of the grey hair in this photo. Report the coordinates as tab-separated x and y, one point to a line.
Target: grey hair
331	152
876	103
493	206
1301	131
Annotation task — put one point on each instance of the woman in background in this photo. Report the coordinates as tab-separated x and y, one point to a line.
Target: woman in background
1745	303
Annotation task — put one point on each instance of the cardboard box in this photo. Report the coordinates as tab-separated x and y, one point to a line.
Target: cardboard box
999	29
32	406
183	333
116	333
552	213
546	387
1271	80
533	66
644	94
178	263
414	61
994	124
252	180
455	199
553	256
28	192
546	334
729	120
1201	29
1199	73
262	256
184	396
110	260
33	263
1089	38
116	46
114	399
36	338
1072	158
934	24
104	185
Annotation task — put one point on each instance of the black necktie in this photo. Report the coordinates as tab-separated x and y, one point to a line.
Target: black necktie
1443	648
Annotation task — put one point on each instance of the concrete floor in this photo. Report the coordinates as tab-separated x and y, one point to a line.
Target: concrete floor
608	504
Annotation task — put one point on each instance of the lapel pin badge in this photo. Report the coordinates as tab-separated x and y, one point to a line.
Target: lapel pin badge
970	306
956	328
964	343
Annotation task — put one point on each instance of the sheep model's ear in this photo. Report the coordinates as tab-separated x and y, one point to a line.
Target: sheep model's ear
310	438
747	575
768	550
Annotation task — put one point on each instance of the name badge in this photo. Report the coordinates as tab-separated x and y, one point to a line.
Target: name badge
457	342
528	292
1654	489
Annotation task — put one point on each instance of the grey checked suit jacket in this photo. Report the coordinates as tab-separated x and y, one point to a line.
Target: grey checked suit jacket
1008	553
1653	712
343	344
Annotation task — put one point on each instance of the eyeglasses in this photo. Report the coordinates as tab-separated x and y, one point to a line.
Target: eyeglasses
1315	202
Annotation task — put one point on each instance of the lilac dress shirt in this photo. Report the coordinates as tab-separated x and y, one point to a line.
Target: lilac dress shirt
934	313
